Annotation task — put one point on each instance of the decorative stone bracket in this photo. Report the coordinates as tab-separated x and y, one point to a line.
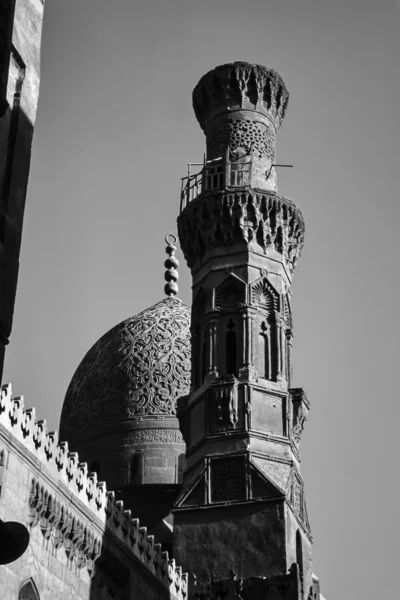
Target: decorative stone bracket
226	403
301	406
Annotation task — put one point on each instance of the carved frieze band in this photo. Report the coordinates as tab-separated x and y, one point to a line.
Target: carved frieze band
63	528
148	436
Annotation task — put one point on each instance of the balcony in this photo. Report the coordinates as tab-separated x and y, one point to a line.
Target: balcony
214	175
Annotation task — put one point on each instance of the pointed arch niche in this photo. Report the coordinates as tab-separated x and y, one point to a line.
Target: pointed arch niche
28	591
200	337
229	295
267	340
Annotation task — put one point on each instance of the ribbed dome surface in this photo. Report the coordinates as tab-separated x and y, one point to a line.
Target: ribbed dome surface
137	369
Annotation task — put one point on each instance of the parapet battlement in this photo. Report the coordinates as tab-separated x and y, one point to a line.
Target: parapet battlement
82	543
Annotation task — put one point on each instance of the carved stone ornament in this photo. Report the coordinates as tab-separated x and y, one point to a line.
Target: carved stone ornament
240	85
148	436
300	411
226	404
218	219
140	367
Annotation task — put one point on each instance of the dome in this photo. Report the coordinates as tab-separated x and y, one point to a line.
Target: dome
140	367
121	403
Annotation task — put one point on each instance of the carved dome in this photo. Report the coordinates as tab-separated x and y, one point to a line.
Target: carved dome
138	368
119	412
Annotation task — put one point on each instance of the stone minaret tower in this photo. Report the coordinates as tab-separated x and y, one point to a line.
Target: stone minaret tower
242	507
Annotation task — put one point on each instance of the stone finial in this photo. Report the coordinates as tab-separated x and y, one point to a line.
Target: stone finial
240	86
171	264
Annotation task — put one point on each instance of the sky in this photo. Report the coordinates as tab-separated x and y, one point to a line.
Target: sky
115	130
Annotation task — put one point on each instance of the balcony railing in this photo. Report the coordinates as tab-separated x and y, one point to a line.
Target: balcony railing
214	175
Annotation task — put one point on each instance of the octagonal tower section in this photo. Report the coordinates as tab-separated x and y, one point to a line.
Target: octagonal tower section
242	420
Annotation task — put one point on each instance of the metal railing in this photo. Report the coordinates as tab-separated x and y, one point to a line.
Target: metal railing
214	176
192	186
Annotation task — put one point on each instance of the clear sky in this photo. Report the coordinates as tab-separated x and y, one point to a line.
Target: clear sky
114	132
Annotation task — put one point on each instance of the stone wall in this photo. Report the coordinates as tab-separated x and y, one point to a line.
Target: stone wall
20	33
83	543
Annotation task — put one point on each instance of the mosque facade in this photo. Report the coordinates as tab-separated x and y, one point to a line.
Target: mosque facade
176	470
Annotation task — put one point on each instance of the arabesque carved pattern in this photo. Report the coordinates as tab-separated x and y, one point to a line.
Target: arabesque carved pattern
140	367
230	293
146	436
265	296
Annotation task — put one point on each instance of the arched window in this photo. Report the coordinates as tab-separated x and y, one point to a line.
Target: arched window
28	591
95	468
266	352
196	372
230	349
180	467
136	469
204	357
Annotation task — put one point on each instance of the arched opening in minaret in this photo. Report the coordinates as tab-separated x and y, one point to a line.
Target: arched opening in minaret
275	350
204	358
230	349
266	366
196	358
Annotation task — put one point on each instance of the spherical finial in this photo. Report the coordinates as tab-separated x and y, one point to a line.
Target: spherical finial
171	264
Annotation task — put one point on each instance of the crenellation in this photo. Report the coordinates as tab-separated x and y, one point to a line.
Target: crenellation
61	522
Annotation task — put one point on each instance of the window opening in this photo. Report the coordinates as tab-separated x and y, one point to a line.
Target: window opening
230	349
28	591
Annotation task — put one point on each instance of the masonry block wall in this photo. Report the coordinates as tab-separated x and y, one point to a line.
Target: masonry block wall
20	38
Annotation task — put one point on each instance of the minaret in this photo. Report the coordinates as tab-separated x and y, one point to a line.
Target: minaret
242	507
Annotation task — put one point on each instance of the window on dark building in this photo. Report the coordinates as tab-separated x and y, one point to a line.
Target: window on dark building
230	349
204	357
